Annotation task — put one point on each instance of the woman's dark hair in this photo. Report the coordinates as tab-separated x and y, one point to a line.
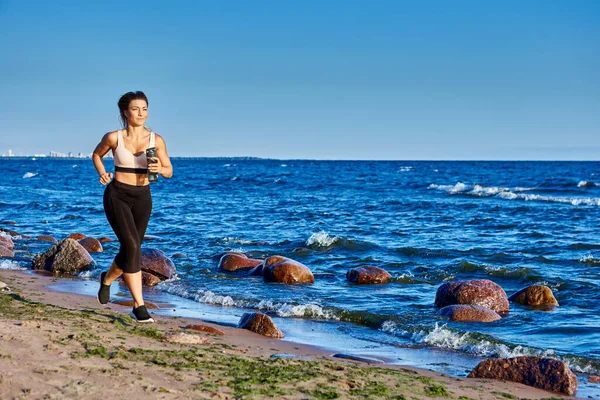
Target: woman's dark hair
124	103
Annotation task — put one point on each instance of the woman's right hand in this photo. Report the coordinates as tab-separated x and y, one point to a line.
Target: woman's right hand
105	178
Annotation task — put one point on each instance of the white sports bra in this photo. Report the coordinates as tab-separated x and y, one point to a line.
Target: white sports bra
125	161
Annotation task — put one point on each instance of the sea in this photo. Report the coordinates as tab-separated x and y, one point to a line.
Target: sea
517	223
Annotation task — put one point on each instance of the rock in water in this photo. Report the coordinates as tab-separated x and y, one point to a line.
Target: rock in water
469	313
157	263
66	256
149	279
368	274
285	270
7	242
261	324
90	244
5	252
480	292
234	262
544	373
77	236
535	295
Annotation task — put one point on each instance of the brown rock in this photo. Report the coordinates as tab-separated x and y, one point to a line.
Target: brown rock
234	262
157	263
104	240
66	256
544	373
5	252
186	338
478	292
7	242
77	236
129	303
92	245
469	313
367	274
535	295
205	328
261	324
594	379
10	222
179	255
149	279
285	270
46	238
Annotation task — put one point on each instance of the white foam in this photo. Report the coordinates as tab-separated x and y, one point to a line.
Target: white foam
235	240
406	169
29	175
445	338
321	238
235	178
11	265
584	184
227	165
284	165
458	188
589	259
296	310
277	180
509	194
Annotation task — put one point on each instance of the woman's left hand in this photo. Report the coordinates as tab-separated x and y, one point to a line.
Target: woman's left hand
155	166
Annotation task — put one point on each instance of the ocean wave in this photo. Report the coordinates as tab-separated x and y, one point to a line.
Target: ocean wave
234	240
281	309
589	259
11	265
321	239
29	175
406	169
586	184
512	194
484	345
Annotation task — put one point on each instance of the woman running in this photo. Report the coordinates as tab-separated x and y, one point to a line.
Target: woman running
127	198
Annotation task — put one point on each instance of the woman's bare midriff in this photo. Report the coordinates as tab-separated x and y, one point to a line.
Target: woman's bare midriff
132	179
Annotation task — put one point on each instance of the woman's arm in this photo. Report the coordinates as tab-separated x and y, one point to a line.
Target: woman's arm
108	141
163	166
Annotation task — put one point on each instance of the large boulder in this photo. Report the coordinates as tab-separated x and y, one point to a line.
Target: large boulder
6	252
544	373
7	242
157	263
469	313
149	279
92	245
535	295
367	274
233	262
480	292
261	324
285	270
77	236
66	257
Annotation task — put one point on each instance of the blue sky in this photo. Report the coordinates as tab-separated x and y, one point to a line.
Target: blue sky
308	79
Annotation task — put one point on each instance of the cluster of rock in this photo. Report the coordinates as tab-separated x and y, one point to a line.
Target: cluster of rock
285	270
484	301
72	255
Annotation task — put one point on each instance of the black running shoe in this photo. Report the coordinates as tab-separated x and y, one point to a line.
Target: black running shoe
104	291
140	314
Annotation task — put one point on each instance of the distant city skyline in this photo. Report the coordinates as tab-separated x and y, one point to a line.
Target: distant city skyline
430	80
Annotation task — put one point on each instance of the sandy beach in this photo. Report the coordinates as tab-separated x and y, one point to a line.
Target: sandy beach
57	345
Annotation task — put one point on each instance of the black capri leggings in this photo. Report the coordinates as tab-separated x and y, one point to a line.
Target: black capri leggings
128	209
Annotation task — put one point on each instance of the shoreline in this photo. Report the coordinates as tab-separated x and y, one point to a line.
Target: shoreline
65	344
